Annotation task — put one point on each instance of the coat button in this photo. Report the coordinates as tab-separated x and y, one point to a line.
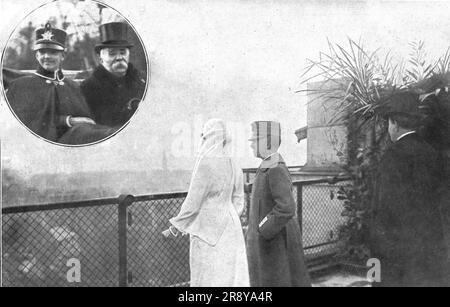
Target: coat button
48	81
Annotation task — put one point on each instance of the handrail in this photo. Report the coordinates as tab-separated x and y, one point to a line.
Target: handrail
160	196
254	169
61	205
149	197
330	180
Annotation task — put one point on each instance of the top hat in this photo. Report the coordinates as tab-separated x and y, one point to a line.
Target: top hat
50	38
406	103
113	35
266	129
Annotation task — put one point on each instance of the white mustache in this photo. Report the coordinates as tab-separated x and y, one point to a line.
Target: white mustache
122	62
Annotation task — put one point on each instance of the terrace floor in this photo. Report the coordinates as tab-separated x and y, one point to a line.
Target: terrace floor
340	280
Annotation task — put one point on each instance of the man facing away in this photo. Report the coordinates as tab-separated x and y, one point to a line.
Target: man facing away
116	87
274	241
407	232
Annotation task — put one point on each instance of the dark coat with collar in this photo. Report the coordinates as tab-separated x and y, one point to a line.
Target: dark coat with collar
43	100
113	100
274	241
407	230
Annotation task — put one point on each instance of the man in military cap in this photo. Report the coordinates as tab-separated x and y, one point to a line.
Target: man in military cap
116	87
406	230
274	241
46	102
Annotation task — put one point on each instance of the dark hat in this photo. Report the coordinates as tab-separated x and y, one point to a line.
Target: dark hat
266	129
406	103
436	120
50	38
113	35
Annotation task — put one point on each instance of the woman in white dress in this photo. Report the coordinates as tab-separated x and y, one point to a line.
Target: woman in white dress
210	214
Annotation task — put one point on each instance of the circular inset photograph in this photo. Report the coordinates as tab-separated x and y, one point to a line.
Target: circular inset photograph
74	72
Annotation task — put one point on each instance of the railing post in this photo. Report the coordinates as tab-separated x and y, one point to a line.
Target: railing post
300	206
123	202
247	192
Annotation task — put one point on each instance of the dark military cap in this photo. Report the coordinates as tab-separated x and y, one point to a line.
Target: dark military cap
113	35
268	130
50	38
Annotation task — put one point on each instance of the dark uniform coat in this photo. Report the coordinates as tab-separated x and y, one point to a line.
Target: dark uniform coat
42	101
274	241
407	230
113	100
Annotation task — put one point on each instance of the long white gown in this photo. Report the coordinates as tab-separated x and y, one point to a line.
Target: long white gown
210	214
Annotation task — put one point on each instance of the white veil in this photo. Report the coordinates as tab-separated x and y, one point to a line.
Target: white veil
215	141
198	217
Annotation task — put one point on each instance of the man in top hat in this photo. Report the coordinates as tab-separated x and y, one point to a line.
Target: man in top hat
274	240
406	230
46	102
116	87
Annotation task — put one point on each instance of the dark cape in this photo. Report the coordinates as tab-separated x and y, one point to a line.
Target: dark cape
9	75
113	100
407	230
42	101
274	248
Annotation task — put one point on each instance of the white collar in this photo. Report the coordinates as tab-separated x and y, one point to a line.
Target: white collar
55	78
269	162
405	134
268	157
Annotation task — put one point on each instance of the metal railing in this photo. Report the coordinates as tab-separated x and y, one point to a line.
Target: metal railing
118	241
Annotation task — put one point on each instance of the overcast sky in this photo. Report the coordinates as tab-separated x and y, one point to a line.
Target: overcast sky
236	60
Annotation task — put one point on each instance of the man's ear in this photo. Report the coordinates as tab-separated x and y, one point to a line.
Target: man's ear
394	124
99	57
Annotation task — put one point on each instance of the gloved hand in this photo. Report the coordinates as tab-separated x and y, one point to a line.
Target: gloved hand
171	231
80	120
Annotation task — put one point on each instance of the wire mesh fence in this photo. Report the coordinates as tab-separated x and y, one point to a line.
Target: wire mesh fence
321	217
154	260
39	246
119	242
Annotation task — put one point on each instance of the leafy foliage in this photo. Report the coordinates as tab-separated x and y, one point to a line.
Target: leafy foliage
419	69
443	63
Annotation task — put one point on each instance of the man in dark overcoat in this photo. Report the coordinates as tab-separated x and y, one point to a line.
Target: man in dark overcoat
407	230
436	131
116	87
274	241
47	102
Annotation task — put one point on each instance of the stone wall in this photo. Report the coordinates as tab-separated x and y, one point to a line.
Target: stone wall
327	131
